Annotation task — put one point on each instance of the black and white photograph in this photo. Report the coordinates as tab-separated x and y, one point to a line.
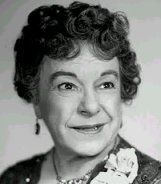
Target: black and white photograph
80	92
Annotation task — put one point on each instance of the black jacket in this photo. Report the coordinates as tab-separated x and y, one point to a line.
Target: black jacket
28	171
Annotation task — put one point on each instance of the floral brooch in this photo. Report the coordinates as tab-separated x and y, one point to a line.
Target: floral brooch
121	168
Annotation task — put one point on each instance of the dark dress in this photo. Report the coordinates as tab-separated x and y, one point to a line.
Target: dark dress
28	171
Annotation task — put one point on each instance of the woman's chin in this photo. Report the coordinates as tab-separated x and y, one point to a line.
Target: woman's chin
88	150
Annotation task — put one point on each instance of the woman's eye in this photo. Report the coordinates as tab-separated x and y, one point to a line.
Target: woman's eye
67	86
107	85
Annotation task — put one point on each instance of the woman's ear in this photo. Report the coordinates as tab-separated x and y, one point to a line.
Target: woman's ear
35	102
37	111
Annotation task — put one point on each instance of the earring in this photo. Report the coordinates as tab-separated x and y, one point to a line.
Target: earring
121	125
37	127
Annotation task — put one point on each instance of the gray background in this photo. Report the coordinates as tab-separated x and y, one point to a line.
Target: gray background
142	119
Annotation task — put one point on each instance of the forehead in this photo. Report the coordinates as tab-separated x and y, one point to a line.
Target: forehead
85	64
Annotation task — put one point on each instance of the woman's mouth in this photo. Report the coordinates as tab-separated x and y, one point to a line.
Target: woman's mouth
89	129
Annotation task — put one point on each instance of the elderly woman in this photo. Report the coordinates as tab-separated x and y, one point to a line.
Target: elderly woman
76	67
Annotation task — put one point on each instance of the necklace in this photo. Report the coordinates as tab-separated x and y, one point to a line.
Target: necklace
80	180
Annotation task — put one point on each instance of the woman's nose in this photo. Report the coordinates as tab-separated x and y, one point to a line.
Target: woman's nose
89	105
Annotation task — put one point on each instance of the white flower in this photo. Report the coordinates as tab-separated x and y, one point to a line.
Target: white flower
110	177
122	168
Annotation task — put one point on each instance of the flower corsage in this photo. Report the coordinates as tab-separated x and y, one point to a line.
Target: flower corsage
121	168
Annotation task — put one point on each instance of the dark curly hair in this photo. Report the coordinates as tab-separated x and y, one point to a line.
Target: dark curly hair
57	32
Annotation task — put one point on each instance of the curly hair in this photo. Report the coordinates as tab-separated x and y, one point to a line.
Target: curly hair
56	31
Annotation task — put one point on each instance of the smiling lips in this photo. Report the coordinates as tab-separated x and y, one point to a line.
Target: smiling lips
89	129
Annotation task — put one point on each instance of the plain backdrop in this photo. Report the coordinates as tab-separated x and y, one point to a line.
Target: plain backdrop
141	120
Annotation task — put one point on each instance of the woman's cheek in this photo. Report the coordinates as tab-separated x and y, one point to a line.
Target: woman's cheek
110	100
61	108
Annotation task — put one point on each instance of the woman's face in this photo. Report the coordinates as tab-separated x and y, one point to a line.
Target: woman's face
80	102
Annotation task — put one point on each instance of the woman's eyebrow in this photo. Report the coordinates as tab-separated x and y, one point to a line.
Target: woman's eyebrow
62	73
110	72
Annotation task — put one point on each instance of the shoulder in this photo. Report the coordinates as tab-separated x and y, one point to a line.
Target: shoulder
149	171
27	171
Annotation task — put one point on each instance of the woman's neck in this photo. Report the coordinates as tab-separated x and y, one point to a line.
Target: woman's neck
69	166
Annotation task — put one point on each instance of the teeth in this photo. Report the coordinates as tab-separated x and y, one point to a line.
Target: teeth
89	129
95	128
